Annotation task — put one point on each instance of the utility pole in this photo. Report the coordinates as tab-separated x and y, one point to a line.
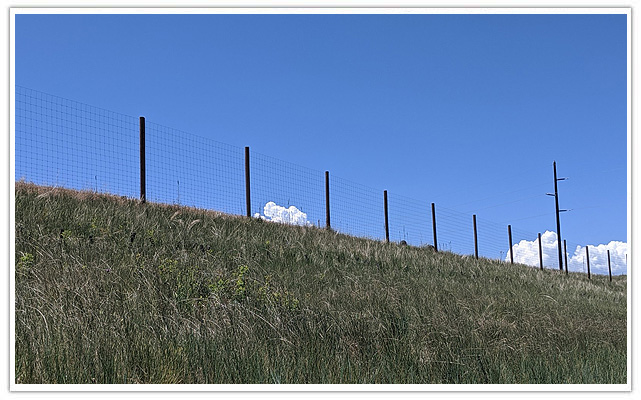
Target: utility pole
558	220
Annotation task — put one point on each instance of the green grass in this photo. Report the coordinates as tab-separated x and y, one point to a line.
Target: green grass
112	291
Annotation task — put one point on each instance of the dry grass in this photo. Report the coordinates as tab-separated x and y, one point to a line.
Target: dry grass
109	290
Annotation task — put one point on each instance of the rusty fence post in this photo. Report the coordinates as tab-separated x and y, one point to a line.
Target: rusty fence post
386	217
509	234
247	185
434	227
143	172
476	243
587	256
565	248
328	225
540	252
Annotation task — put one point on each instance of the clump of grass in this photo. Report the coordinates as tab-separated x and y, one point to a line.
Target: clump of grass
112	291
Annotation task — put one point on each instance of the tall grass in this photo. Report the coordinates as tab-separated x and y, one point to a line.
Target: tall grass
112	291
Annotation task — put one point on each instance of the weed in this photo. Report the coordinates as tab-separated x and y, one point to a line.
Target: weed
25	262
239	289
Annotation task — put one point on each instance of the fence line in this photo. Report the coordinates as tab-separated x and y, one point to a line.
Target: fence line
65	143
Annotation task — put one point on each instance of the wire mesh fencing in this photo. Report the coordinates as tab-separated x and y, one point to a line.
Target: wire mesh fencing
61	142
530	251
493	239
285	192
410	220
455	231
356	209
602	259
194	171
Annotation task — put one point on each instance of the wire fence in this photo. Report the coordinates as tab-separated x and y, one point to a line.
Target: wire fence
61	142
410	220
190	170
66	143
297	193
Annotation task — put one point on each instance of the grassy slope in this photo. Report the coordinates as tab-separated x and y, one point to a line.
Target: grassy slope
112	291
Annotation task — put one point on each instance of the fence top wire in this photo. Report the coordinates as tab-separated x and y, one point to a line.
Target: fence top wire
78	104
277	160
152	126
64	142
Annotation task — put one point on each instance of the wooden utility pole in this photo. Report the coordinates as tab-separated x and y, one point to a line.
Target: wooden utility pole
558	220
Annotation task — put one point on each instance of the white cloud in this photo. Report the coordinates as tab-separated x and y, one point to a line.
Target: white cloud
527	252
275	213
599	258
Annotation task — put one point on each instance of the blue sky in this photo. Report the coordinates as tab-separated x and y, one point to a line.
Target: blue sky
467	111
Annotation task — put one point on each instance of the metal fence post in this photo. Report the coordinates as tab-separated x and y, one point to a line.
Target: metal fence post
509	234
609	267
247	186
476	243
540	252
434	227
587	256
565	248
143	183
328	225
386	218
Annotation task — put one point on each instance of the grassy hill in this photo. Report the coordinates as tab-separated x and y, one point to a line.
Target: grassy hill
108	290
